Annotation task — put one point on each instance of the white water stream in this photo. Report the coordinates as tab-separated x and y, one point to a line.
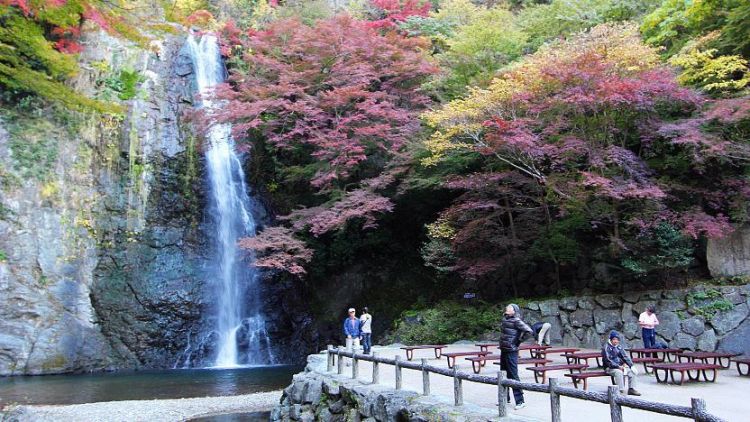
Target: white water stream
236	282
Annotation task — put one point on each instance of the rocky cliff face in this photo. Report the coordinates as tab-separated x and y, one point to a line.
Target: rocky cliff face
730	256
100	230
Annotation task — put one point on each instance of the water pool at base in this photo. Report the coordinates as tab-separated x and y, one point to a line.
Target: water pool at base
143	385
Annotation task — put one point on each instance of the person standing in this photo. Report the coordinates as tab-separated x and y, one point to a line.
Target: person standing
352	331
648	322
366	323
618	364
541	331
513	332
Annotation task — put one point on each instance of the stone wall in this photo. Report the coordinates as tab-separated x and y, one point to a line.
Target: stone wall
315	395
700	318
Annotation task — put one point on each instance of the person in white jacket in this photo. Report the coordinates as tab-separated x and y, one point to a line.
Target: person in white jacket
366	323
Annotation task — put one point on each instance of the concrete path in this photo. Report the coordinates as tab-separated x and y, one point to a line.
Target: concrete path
728	397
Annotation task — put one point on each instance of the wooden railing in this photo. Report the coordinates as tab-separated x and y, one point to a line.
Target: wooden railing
696	411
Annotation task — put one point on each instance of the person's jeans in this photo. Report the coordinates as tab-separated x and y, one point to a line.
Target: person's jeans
620	377
649	339
509	362
366	342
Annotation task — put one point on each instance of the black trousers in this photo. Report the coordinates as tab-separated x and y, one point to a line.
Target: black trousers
509	362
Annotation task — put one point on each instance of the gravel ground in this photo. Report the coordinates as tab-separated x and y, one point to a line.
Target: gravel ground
147	410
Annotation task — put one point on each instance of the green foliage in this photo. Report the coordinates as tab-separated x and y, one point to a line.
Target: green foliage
675	22
125	83
33	145
663	248
558	243
735	35
545	22
3	256
446	322
707	303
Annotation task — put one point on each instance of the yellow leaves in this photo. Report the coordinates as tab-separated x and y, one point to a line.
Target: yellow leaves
703	69
440	229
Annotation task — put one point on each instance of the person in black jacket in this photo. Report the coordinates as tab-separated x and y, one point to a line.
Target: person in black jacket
513	332
618	364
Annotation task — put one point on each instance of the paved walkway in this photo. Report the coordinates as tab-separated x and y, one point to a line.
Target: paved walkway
728	397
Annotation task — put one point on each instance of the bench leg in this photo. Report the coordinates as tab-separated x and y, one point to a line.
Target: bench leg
438	353
705	376
658	378
536	377
450	364
682	377
697	374
739	368
725	365
669	357
585	384
477	368
409	354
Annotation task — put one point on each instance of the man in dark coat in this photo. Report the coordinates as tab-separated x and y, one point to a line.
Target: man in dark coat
513	332
618	364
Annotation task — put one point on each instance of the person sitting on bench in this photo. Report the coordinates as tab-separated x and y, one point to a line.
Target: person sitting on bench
615	362
541	332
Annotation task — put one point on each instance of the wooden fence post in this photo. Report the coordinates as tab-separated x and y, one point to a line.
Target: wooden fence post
355	366
398	372
340	361
502	396
615	410
375	369
554	400
699	407
458	391
425	379
329	352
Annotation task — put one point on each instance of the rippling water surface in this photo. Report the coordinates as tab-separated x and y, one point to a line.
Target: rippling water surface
143	385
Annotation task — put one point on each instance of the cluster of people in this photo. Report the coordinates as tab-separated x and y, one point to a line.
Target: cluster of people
514	331
616	362
358	329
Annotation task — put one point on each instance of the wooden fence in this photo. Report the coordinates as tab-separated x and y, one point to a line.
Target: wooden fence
615	400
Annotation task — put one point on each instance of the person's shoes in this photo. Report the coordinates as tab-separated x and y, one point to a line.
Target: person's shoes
633	392
520	406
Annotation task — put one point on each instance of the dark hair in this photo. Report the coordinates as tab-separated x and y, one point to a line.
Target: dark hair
365	310
651	308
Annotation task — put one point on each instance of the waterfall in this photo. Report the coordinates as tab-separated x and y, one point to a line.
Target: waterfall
240	327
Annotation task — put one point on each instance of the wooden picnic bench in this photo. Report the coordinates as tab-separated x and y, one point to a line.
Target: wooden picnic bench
437	347
533	349
478	362
577	357
670	369
585	375
646	362
668	355
742	361
704	357
543	369
453	355
561	350
485	346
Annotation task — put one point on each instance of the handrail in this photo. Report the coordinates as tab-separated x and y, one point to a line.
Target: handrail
696	411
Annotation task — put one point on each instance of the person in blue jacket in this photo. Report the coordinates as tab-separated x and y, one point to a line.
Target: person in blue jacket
352	331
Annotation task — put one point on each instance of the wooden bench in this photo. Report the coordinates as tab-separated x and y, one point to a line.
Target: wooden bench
671	368
484	346
704	357
533	349
478	362
584	376
437	347
577	357
562	350
646	362
742	361
668	355
544	368
453	355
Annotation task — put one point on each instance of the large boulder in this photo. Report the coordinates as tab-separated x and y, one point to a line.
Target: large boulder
726	321
707	341
738	341
581	317
683	341
669	324
694	326
606	320
730	255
